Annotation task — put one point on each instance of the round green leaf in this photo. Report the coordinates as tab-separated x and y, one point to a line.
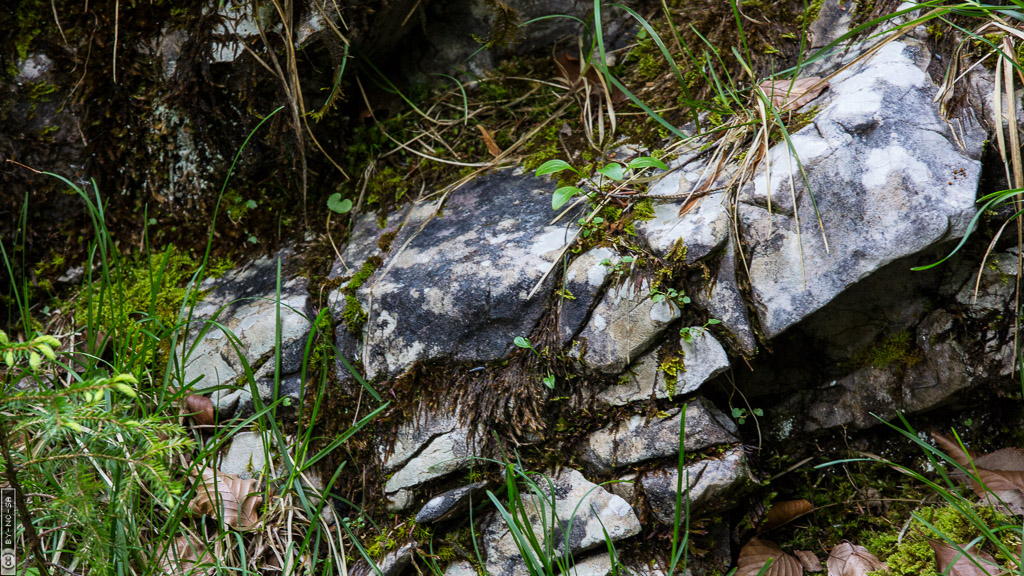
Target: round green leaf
613	171
338	205
522	342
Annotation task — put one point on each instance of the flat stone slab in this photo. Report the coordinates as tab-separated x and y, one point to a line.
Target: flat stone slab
703	359
888	178
456	287
639	439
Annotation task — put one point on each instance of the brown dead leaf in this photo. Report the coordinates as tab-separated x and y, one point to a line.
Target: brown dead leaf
1001	472
238	502
569	69
757	552
492	146
784	511
849	559
181	556
809	560
786	95
201	409
971	562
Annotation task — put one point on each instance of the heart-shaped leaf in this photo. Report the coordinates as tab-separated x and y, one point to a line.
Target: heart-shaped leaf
613	171
522	342
646	162
553	166
562	195
336	204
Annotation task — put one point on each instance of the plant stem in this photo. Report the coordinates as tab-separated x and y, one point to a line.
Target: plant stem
19	497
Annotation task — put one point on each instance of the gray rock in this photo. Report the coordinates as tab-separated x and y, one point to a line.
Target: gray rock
883	192
460	568
939	370
599	564
458	290
691	236
363	242
623	326
639	439
445	506
713	484
703	359
430	447
584	277
725	302
246	455
243	301
991	293
577	501
392	564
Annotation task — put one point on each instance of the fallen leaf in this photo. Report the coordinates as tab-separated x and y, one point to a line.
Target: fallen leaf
237	498
786	95
809	560
849	559
784	511
758	552
1001	473
970	562
201	409
182	555
492	146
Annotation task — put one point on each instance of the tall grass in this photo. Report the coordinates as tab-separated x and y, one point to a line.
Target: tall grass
92	433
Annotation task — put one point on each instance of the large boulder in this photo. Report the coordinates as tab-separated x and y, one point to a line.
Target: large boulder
888	180
704	482
458	286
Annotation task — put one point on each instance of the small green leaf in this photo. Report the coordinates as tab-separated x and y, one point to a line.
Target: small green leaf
657	298
597	220
562	195
522	342
9	358
627	259
553	166
336	204
714	321
549	381
686	300
758	412
646	162
250	204
3	338
738	412
613	171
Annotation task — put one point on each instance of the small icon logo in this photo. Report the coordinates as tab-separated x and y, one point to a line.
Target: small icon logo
7	562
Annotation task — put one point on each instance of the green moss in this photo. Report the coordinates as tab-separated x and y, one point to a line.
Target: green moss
644	210
671	367
353	315
678	252
915	557
813	11
895	351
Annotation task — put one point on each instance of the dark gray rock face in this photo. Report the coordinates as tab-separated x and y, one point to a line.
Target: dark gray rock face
888	177
244	302
456	287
